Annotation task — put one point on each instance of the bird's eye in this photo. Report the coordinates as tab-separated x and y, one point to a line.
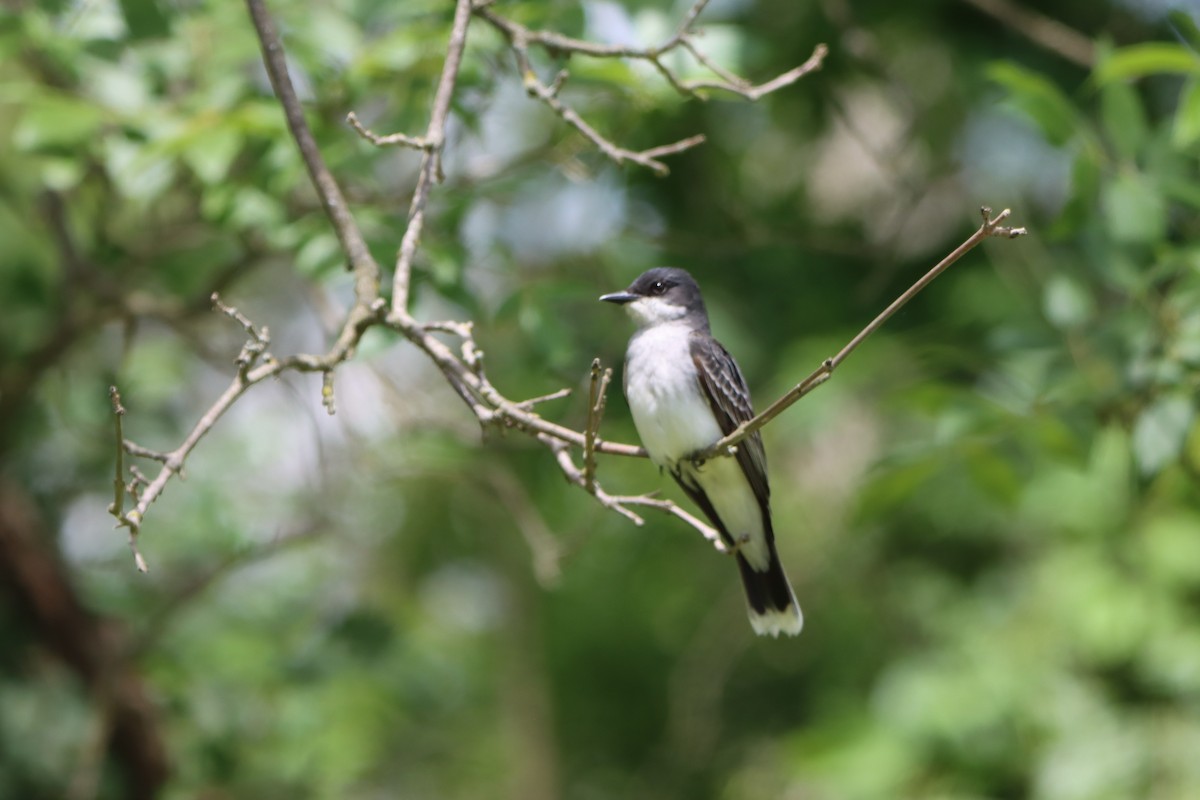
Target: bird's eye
658	287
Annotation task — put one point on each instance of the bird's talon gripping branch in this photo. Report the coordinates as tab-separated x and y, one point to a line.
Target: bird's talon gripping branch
732	549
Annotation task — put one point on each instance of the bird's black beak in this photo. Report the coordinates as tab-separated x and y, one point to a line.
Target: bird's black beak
620	298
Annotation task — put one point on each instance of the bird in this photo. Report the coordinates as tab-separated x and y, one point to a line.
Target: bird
685	392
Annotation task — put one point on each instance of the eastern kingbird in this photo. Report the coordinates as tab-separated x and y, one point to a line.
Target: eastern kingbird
686	392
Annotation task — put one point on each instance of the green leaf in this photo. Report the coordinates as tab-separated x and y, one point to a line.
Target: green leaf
1124	119
1186	131
61	172
1067	303
136	171
1170	548
1080	206
320	254
1181	187
1039	99
210	155
1140	60
1160	430
56	121
254	209
145	19
1134	209
1185	25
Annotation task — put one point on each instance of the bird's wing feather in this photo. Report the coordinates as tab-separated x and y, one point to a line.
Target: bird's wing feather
727	395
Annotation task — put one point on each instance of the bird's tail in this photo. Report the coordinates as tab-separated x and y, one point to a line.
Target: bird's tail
770	601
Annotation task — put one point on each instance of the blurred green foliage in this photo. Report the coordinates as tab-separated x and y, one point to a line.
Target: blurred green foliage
990	514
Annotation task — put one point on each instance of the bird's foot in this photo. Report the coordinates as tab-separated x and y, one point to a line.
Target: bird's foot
735	547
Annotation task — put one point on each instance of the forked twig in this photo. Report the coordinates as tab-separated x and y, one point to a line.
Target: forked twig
597	398
521	39
120	489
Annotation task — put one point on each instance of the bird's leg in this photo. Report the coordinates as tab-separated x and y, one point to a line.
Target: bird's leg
698	459
736	547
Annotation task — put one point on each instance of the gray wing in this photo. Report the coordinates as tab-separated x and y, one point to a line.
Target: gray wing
727	395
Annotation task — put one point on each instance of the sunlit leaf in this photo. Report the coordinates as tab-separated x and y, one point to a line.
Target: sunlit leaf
211	153
1124	119
1186	131
1140	60
1171	548
1039	98
1067	303
1160	430
1085	185
57	121
138	172
1134	209
319	254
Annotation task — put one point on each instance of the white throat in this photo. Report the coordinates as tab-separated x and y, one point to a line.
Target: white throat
649	311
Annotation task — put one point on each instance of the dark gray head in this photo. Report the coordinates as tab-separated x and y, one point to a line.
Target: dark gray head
660	295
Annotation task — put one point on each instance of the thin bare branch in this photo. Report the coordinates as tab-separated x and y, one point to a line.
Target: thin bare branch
391	139
991	227
521	38
327	397
562	454
431	163
488	404
621	503
534	87
707	531
252	369
1042	30
740	86
527	405
257	341
144	452
673	148
555	42
117	509
597	398
366	270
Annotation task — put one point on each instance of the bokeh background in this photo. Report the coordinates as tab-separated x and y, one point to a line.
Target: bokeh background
991	513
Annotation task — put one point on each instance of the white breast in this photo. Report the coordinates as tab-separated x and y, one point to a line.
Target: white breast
672	416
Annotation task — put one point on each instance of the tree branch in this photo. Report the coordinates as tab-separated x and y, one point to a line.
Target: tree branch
255	364
1042	30
617	154
390	139
366	270
431	161
520	38
597	398
990	227
621	503
91	646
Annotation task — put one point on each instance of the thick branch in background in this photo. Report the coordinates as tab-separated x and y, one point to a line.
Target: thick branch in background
463	367
91	646
1044	31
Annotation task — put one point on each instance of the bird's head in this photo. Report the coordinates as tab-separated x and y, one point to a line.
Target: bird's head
661	295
